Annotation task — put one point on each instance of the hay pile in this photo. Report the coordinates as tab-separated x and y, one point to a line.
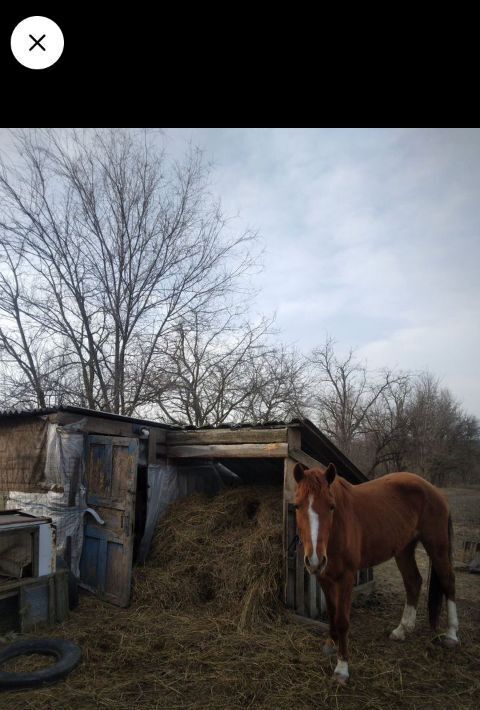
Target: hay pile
206	630
220	556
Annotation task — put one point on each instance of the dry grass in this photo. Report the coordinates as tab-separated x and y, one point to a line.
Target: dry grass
206	629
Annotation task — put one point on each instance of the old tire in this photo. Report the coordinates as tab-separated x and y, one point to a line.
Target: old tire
67	653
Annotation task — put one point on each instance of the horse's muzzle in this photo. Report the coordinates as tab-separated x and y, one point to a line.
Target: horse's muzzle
316	568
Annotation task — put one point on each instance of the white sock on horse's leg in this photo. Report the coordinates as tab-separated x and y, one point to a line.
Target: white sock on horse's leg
407	623
341	671
452	621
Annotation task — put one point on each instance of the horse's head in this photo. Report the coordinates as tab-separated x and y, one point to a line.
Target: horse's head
314	503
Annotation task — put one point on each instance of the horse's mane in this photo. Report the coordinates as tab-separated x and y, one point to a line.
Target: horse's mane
346	485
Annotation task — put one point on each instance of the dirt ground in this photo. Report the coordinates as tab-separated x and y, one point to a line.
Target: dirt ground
138	665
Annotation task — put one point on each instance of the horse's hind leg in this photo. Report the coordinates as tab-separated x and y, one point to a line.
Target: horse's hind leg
442	580
412	580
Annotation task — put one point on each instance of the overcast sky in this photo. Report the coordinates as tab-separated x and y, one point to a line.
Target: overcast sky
371	235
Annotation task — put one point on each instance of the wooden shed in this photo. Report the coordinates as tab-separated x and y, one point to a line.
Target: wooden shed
88	471
105	480
267	453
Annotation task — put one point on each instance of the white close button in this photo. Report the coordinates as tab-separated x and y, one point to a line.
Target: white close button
37	42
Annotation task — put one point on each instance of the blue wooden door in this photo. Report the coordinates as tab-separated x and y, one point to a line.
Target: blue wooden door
111	479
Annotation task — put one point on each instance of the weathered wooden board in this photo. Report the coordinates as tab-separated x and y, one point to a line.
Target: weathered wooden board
210	451
22	454
26	603
226	436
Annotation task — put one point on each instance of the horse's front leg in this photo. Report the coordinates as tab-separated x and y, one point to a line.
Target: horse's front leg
342	624
330	593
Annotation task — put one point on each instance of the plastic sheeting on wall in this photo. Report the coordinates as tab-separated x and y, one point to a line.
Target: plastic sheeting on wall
167	483
64	457
65	502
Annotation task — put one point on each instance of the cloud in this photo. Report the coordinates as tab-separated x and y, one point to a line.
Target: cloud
371	235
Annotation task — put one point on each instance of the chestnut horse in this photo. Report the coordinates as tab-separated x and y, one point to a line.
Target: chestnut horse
345	527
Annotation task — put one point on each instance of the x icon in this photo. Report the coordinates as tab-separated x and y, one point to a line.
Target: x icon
37	42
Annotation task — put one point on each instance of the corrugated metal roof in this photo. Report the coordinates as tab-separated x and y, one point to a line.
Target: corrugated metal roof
245	425
83	411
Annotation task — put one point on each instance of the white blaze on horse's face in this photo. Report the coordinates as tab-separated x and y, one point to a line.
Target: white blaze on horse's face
315	558
313	562
315	504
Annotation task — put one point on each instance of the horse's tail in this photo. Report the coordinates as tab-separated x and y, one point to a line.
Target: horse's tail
435	589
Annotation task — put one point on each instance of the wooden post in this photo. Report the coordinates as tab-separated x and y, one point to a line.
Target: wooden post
289	532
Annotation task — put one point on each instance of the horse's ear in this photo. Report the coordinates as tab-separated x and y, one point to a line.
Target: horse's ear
298	471
330	473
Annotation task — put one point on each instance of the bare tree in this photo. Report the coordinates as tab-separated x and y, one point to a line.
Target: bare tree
416	425
386	442
122	247
205	376
227	371
30	361
444	440
346	393
279	386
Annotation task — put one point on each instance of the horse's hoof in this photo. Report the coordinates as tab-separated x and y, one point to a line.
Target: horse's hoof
448	642
340	678
397	635
329	648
